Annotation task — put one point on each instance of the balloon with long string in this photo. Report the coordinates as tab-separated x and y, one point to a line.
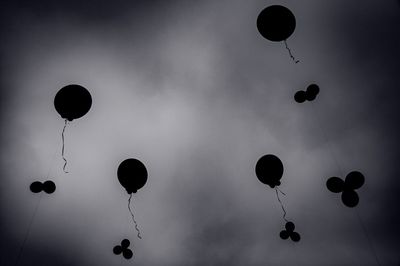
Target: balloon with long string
269	170
71	102
132	175
277	23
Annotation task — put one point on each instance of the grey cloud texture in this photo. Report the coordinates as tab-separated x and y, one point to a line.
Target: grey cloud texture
193	91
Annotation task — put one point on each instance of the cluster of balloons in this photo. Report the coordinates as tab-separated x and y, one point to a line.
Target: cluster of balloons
289	232
48	186
124	249
308	95
354	180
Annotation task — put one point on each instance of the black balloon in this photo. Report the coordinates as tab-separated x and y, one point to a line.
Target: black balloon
354	180
125	243
284	234
300	96
127	253
36	187
132	175
269	170
313	89
276	23
295	236
289	226
49	187
350	198
72	102
117	250
335	184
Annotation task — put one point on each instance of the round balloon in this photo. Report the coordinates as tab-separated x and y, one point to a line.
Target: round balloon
132	175
335	184
354	180
300	96
269	170
36	187
49	187
72	102
276	23
350	198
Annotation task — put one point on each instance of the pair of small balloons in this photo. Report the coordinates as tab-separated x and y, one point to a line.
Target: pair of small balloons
48	186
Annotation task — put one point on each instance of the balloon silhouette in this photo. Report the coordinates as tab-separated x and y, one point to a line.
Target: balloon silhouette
269	170
123	248
132	175
48	186
277	23
309	95
289	232
71	102
354	180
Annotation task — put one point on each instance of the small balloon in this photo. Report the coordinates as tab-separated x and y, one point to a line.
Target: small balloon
312	89
295	236
354	180
49	187
335	184
300	96
289	226
284	234
276	23
269	170
36	187
350	198
72	102
132	175
127	253
117	250
125	243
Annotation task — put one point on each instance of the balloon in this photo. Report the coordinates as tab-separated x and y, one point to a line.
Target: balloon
36	187
335	184
127	253
295	236
132	175
72	102
312	92
300	96
289	226
117	250
276	23
125	243
350	198
289	232
354	180
284	234
49	187
269	170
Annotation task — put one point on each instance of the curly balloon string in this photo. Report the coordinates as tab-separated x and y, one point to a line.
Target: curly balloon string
63	144
133	217
283	207
290	53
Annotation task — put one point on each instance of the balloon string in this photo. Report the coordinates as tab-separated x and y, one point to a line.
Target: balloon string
28	230
63	144
133	217
290	53
283	208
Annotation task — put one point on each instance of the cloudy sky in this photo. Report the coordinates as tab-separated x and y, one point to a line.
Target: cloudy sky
192	90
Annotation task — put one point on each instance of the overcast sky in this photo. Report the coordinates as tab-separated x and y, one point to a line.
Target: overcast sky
192	90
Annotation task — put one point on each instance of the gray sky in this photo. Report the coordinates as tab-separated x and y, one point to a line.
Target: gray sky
192	90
